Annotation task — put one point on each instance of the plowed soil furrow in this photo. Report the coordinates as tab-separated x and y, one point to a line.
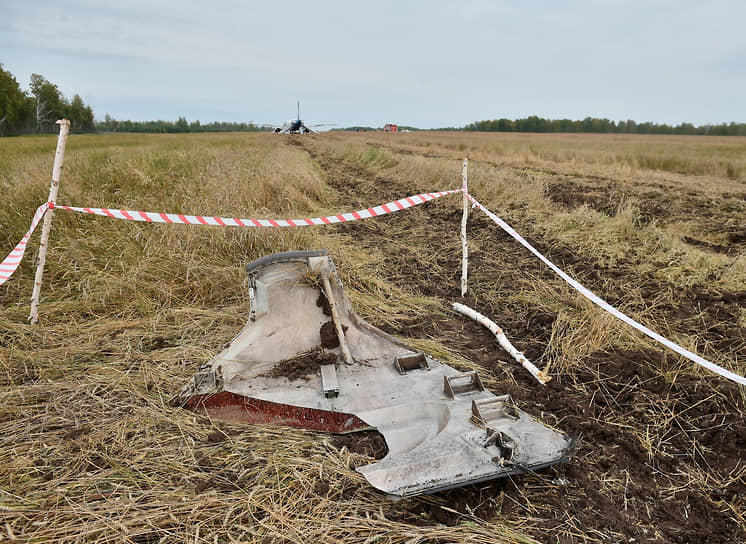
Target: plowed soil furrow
641	438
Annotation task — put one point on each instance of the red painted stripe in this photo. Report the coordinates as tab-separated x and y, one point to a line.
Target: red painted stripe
219	221
165	218
399	205
341	218
256	223
128	216
325	220
273	223
385	208
184	219
107	211
410	201
372	212
291	223
356	215
309	222
145	217
238	222
202	220
87	210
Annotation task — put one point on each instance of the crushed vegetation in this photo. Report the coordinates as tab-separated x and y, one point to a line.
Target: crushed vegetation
91	450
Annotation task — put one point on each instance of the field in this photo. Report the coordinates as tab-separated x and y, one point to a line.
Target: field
92	450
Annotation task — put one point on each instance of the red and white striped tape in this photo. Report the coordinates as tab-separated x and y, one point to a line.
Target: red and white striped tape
601	303
155	217
13	260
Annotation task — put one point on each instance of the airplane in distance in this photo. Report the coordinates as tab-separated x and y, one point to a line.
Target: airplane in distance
297	126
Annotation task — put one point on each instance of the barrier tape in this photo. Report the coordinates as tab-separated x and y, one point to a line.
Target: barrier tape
154	217
608	307
13	260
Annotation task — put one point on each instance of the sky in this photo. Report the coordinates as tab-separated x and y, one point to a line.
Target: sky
422	63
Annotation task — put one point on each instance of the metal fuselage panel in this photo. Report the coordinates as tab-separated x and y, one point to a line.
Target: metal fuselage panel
434	442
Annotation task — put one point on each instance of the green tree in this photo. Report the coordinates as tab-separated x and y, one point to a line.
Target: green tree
15	105
50	105
80	115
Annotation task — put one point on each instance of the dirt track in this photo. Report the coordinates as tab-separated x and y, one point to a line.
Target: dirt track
615	488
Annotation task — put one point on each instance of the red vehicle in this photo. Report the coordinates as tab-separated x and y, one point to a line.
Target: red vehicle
391	128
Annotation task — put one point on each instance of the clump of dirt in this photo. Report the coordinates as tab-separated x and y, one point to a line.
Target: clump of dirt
303	366
717	248
604	198
737	236
216	437
329	338
328	332
370	443
323	303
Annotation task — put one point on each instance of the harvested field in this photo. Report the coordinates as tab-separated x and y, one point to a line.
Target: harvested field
92	450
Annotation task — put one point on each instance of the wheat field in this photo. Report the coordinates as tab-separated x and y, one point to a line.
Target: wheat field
92	450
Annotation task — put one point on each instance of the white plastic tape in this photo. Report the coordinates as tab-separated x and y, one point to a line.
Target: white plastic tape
608	307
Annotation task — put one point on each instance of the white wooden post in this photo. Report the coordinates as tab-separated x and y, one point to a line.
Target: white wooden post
53	189
464	217
540	376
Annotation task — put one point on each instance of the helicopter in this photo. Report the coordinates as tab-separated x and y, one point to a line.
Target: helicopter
297	126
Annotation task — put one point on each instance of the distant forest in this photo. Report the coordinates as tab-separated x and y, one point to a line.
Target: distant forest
37	111
110	124
592	124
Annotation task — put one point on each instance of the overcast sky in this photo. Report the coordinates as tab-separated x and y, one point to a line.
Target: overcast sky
421	63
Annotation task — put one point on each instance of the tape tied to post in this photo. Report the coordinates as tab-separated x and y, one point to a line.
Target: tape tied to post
598	301
13	260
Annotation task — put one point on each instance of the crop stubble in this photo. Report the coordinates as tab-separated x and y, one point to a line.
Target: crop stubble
92	451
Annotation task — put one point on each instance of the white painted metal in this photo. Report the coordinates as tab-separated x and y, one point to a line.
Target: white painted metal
433	442
329	381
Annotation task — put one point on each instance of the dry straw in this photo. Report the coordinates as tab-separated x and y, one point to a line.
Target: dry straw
91	450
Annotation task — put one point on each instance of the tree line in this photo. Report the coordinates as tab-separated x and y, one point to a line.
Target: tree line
37	112
109	124
22	112
593	124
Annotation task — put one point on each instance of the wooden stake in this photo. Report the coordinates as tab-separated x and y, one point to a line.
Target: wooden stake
335	317
464	218
53	190
503	340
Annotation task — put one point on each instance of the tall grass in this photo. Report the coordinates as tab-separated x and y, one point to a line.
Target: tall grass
91	449
593	154
624	238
